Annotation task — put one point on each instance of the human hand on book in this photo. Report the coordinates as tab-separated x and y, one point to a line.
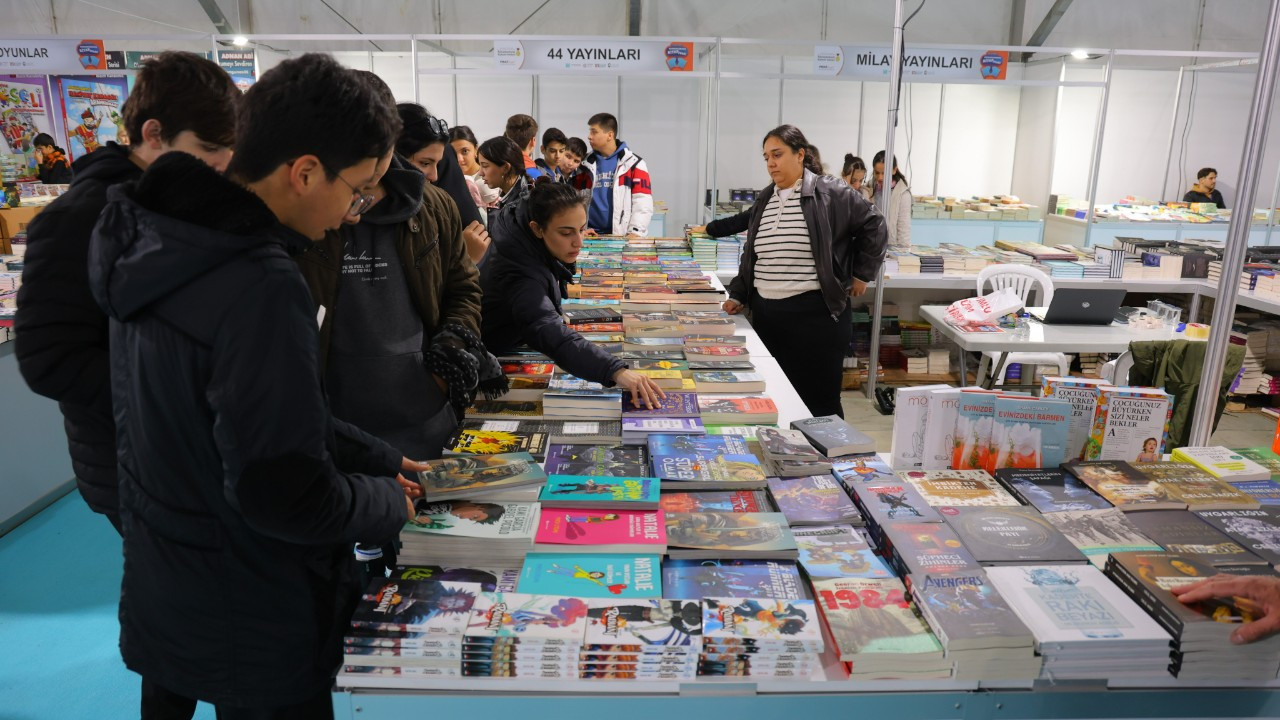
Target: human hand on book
411	488
644	392
731	306
1264	592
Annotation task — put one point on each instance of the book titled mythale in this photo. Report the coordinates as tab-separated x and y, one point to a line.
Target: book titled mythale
592	575
1011	536
1050	490
834	437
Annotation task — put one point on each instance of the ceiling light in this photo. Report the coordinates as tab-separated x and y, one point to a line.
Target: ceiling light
1080	54
241	41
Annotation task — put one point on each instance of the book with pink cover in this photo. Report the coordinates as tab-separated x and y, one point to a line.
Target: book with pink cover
601	531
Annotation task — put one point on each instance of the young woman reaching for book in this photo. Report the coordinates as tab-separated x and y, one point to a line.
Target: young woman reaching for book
535	245
812	243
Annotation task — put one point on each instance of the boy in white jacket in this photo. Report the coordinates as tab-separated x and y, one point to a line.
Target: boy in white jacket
621	194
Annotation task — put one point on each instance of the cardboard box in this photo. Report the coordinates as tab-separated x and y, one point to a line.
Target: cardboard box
15	220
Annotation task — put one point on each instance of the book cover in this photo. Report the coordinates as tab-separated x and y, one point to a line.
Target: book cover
676	404
636	426
833	551
1072	605
592	528
731	501
550	619
1100	532
677	365
1082	394
597	460
863	470
1029	433
741	364
816	499
1122	485
477	474
588	491
738	532
733	620
894	502
872	618
786	444
1050	490
967	488
704	458
478	441
920	547
1266	492
504	409
728	381
474	519
649	624
735	409
833	436
1129	424
972	437
601	575
1222	463
1185	533
502	579
1262	456
431	607
1010	536
1187	483
910	419
757	579
966	612
1257	530
939	433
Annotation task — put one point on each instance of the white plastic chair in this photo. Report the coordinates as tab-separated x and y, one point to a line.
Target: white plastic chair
1022	280
1116	371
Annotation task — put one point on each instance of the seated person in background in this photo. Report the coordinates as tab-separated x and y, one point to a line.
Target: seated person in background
1206	189
55	169
553	143
1264	592
523	131
535	245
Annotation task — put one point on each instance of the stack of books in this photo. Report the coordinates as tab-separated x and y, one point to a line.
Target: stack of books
597	460
729	536
878	632
838	551
525	636
407	628
978	630
1011	536
813	500
760	637
705	462
636	430
1099	532
469	532
642	639
834	437
504	477
788	454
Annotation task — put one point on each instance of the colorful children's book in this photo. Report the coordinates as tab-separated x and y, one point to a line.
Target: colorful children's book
758	579
1130	424
1082	394
478	475
1029	433
813	500
604	575
705	461
830	551
601	531
610	460
585	491
1097	533
731	501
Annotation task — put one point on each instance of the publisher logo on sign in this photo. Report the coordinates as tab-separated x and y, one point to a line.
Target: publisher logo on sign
680	57
994	63
92	55
508	54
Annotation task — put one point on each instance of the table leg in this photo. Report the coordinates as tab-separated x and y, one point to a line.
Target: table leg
964	368
996	367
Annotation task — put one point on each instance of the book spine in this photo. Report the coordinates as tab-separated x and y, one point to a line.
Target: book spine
1143	596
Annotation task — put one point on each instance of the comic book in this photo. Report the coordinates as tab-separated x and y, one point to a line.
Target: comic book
737	578
594	575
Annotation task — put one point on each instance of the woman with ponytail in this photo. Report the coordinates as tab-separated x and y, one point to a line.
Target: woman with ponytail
812	243
899	218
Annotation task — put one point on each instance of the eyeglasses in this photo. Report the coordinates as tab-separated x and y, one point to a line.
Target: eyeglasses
361	203
438	127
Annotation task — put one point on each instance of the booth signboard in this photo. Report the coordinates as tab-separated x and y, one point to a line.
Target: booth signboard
871	61
240	65
587	55
28	56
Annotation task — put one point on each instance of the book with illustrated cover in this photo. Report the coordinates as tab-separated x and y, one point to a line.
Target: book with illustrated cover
960	488
872	619
547	619
1257	530
699	353
1130	424
502	579
939	433
1082	394
900	501
1029	433
600	531
603	328
677	365
830	551
1197	489
1050	490
528	369
813	500
910	419
729	535
667	380
863	470
504	409
1011	536
431	607
474	519
1262	456
478	441
972	437
705	461
757	579
607	460
737	410
731	501
786	444
1100	532
602	575
1122	485
769	622
1222	463
927	548
834	437
967	613
636	430
673	626
1185	533
525	388
478	475
677	404
585	491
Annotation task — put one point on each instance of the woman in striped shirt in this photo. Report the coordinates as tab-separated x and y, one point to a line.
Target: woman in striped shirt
812	243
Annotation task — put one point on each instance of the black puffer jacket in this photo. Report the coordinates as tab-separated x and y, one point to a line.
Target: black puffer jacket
61	332
238	573
523	286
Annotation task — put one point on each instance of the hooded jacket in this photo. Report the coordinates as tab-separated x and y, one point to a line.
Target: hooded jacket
61	342
523	287
238	572
632	207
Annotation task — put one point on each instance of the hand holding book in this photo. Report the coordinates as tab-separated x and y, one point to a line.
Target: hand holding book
1262	592
644	391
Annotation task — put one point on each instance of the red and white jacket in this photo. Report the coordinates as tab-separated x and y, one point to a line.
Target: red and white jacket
632	193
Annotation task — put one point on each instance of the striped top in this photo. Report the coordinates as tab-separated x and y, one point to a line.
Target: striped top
784	259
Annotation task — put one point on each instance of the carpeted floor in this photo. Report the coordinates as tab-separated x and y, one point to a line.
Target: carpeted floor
59	588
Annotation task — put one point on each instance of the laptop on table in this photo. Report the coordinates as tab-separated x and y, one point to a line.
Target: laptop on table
1078	306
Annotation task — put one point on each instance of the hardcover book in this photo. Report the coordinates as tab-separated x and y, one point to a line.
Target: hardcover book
871	618
656	624
585	491
430	607
833	551
813	500
1050	490
1184	533
477	475
960	488
757	579
1122	485
592	576
730	501
1100	532
927	548
1256	530
967	613
1082	394
1029	433
1011	536
834	437
607	460
730	535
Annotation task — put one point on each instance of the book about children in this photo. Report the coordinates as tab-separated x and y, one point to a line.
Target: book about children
604	491
594	575
1130	424
732	578
1082	395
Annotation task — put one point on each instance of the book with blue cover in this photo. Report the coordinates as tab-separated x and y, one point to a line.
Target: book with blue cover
832	551
705	461
862	470
594	575
1050	490
813	500
1030	433
603	491
607	460
737	578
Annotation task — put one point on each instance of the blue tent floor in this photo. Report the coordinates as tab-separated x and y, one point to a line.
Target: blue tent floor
59	589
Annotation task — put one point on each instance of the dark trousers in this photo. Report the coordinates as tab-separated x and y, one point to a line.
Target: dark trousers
809	345
161	704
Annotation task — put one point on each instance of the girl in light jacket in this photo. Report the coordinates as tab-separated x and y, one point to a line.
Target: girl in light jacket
898	219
